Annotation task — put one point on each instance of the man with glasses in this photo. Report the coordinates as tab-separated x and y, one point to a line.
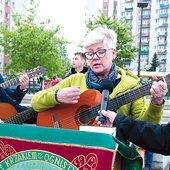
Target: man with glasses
100	47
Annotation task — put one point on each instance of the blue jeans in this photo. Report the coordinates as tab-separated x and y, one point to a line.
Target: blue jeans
149	159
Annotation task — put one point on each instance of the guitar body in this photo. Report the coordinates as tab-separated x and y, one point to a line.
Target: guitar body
6	111
71	116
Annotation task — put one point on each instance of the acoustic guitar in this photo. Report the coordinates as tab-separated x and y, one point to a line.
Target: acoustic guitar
71	116
9	114
31	73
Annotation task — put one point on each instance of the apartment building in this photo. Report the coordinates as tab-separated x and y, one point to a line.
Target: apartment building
7	8
154	30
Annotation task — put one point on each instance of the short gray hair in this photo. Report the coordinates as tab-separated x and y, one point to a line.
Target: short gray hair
100	34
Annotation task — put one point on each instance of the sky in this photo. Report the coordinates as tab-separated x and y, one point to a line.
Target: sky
68	14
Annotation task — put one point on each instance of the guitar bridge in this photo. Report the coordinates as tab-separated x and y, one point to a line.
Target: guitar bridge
56	124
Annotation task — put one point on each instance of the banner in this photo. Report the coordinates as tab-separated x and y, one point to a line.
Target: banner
30	147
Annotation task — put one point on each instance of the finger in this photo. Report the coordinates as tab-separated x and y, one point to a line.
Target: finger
162	85
97	118
154	77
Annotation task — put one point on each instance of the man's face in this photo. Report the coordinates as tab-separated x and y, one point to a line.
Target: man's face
77	61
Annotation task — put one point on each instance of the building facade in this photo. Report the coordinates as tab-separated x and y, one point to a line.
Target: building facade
7	8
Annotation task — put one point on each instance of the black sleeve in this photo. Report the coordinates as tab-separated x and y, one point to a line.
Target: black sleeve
155	138
18	94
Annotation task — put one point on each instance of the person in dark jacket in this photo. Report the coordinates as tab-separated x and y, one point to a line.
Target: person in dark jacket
78	64
138	132
20	90
15	97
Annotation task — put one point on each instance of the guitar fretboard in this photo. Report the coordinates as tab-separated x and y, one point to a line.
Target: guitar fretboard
9	83
22	117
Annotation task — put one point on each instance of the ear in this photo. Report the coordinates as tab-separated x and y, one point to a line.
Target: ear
114	54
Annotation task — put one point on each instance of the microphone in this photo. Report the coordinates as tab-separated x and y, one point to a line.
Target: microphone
106	88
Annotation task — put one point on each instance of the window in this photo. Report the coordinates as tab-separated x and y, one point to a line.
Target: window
13	4
105	8
7	15
7	2
1	13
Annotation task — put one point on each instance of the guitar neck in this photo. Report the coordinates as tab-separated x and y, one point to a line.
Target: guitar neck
121	100
32	73
129	97
22	117
9	83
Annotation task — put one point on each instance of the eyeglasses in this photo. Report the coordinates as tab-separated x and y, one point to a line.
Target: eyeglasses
100	53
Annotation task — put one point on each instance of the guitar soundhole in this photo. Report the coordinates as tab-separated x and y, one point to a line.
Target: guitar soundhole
83	116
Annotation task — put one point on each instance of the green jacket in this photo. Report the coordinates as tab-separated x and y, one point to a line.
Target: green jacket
138	109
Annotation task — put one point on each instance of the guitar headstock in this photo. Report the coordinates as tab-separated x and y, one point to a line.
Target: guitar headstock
167	79
36	72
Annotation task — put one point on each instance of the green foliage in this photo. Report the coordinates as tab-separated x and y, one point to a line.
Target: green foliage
125	41
30	45
155	63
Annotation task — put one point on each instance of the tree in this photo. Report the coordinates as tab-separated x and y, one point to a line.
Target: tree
125	41
155	63
30	45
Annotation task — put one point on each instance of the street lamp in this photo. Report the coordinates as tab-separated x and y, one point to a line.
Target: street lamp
141	5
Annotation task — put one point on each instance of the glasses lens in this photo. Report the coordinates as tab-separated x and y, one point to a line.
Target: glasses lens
101	53
89	55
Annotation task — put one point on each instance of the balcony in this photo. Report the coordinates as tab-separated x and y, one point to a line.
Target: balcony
165	24
162	52
146	34
163	6
145	43
146	16
128	8
162	33
144	52
129	17
164	15
162	42
145	25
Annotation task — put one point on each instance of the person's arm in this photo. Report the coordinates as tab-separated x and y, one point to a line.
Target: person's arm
21	89
155	138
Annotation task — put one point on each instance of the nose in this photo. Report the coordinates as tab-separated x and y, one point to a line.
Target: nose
95	56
